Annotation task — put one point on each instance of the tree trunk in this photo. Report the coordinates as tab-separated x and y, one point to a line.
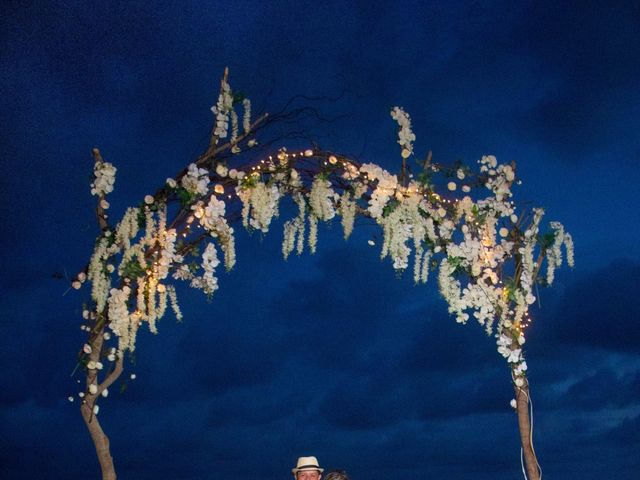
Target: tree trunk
526	439
100	441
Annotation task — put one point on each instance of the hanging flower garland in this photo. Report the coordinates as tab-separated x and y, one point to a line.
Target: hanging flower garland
488	254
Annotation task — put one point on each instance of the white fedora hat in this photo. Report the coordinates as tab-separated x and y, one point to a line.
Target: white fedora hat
307	463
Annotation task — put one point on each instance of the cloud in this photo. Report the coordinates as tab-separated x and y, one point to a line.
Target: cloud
600	309
613	390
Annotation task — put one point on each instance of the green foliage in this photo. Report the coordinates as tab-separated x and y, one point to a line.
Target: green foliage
142	219
185	197
458	267
133	269
249	181
424	179
238	97
390	207
478	216
510	288
546	240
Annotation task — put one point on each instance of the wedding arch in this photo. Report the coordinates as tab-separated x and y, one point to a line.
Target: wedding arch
456	221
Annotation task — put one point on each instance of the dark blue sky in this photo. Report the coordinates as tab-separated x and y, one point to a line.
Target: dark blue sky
329	355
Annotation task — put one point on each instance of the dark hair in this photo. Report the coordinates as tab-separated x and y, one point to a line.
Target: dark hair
336	475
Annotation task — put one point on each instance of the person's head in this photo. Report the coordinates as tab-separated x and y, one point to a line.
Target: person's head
336	475
307	468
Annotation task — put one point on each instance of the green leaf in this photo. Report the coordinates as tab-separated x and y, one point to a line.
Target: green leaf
142	219
238	97
185	197
133	269
424	178
390	207
546	241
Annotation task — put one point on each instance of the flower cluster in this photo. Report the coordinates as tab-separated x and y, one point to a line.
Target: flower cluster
485	253
196	180
212	218
405	136
246	118
322	198
98	273
221	110
294	229
260	205
104	174
385	187
208	281
120	320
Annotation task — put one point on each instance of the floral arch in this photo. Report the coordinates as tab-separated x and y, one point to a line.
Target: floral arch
456	223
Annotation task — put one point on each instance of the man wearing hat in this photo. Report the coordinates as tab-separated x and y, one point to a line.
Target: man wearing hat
307	468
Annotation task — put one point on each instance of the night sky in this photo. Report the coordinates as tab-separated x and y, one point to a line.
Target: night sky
329	355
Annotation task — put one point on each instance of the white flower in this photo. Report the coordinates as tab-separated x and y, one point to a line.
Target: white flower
104	204
76	284
148	199
222	170
133	376
171	183
93	389
514	356
208	281
70	398
371	242
86	348
196	180
405	136
451	186
221	110
105	392
91	365
96	409
503	232
104	178
246	118
260	205
513	403
321	199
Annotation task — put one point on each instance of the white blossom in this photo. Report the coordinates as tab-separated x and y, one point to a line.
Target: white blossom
260	205
246	118
405	136
322	198
208	281
196	180
104	178
221	110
